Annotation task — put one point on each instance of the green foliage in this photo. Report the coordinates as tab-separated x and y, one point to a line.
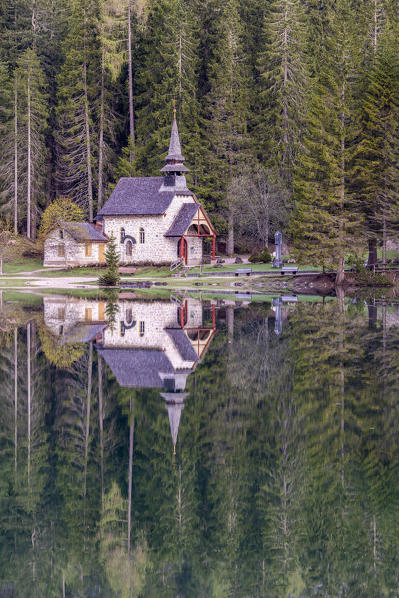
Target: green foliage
111	275
264	257
61	209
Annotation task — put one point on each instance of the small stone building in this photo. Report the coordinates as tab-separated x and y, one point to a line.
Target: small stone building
74	244
157	220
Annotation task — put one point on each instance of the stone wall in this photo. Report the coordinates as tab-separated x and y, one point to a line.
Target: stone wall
156	249
75	253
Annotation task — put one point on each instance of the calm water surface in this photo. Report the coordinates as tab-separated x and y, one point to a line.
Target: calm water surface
157	448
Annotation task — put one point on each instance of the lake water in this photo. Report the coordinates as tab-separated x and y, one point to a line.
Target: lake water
173	448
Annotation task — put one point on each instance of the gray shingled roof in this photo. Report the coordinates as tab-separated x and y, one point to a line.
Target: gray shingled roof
136	367
182	344
138	196
83	231
183	219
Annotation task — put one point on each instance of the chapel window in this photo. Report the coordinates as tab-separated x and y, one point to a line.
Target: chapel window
61	234
122	235
142	328
88	250
61	250
142	235
129	248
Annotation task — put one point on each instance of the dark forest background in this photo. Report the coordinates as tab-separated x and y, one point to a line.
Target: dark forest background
287	109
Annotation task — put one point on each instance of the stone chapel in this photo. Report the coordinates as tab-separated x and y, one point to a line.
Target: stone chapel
156	220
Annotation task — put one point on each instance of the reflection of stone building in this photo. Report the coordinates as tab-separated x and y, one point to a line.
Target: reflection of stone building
155	344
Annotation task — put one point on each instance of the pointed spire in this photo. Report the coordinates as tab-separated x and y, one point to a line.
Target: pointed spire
174	159
174	405
174	152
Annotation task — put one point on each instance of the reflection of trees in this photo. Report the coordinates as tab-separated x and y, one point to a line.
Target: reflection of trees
284	480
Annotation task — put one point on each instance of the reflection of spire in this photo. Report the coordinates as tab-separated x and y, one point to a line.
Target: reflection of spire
174	405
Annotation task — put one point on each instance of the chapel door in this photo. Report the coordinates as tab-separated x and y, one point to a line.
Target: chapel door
182	249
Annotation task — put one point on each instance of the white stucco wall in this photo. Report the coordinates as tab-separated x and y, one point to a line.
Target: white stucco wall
74	251
157	249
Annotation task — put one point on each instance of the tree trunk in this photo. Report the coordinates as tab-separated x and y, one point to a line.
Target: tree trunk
384	239
230	231
29	174
15	156
89	384
101	424
15	399
1	265
340	276
28	342
129	507
101	136
87	127
372	259
130	82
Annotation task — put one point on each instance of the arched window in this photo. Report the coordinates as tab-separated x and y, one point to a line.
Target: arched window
61	233
129	316
129	248
122	235
142	329
142	235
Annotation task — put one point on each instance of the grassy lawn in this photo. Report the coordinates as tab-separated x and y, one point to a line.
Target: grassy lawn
24	265
255	267
147	271
11	283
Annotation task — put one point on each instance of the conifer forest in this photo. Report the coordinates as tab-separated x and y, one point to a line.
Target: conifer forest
287	110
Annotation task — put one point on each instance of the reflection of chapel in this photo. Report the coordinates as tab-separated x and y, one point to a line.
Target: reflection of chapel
158	219
154	344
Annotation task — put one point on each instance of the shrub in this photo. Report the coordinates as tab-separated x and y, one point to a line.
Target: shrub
110	278
263	257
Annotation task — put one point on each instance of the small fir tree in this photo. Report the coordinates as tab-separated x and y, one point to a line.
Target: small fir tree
111	275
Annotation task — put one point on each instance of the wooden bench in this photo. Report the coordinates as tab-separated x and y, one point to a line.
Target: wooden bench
289	270
246	271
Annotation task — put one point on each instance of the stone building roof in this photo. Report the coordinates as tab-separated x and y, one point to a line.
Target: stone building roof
141	196
183	219
138	368
182	344
83	231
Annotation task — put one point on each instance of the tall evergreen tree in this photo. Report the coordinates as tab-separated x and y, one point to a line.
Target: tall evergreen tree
228	104
324	224
32	108
376	162
283	83
76	89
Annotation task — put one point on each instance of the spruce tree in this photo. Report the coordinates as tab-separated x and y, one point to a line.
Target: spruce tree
7	143
283	77
32	108
111	275
227	105
324	224
168	77
76	88
376	171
